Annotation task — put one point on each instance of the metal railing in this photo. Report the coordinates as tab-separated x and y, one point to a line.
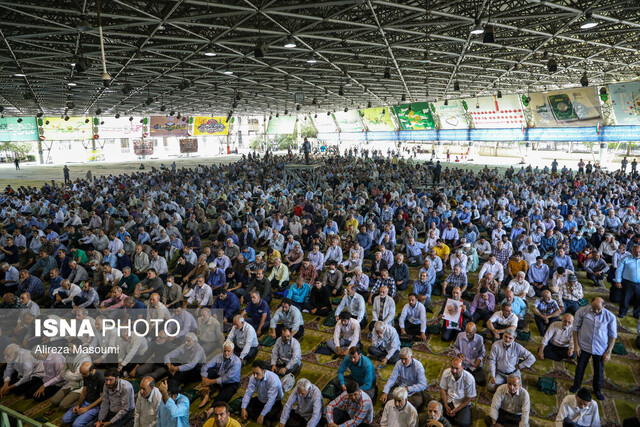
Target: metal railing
10	417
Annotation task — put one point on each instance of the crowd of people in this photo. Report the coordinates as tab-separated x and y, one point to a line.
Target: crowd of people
233	255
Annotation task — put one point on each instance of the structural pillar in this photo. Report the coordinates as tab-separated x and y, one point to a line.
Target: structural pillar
41	158
604	148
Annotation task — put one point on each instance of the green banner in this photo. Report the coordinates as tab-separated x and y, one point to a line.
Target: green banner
377	119
414	116
13	131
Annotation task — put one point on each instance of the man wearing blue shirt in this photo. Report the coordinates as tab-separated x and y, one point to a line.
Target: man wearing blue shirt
174	409
267	405
408	373
594	334
228	302
362	372
628	278
221	373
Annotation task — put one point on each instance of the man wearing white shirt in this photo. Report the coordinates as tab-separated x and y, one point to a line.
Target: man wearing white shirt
578	411
413	319
457	390
345	335
399	411
494	267
384	308
557	343
510	405
244	338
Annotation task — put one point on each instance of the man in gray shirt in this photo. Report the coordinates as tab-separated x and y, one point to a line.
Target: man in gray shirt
286	356
117	407
504	359
308	400
510	404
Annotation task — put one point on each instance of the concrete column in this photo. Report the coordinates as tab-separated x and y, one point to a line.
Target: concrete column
603	155
41	158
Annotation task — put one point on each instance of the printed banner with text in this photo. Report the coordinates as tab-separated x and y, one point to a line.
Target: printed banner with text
14	131
162	126
452	114
625	100
210	126
377	119
577	107
57	129
414	116
491	112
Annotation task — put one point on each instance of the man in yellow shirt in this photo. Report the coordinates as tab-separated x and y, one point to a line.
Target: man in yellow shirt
515	264
442	251
221	416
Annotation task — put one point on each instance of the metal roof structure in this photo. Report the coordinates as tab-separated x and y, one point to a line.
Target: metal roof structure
201	56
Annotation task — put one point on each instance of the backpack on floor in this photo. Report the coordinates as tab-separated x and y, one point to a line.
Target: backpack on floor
330	392
330	321
547	385
267	341
618	348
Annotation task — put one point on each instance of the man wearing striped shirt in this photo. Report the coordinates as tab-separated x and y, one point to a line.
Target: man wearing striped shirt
352	408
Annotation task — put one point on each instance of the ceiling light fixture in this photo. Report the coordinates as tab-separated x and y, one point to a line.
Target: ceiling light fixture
584	80
227	71
489	36
290	43
209	51
404	97
20	75
71	84
499	94
387	73
552	65
98	112
117	115
311	59
456	86
260	50
590	22
478	28
341	91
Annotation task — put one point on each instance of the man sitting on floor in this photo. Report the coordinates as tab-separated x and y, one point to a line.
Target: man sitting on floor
266	406
286	356
362	371
352	408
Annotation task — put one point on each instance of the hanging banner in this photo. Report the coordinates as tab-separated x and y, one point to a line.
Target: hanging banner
113	128
162	126
377	119
282	125
57	129
491	112
625	100
142	147
208	126
452	115
188	145
414	116
325	123
349	121
577	107
12	131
